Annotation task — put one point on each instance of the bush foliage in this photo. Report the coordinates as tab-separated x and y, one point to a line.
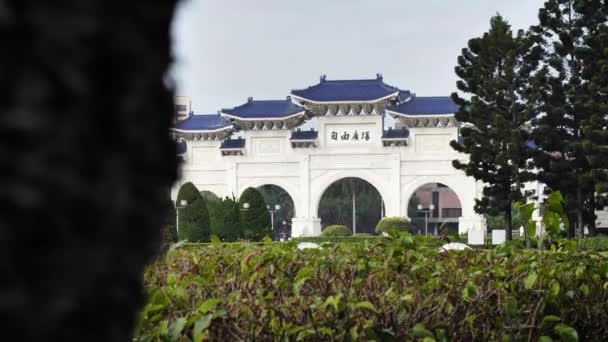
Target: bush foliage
598	244
255	221
398	223
389	289
194	225
337	230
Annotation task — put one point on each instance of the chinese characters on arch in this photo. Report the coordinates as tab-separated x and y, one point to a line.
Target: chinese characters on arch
346	136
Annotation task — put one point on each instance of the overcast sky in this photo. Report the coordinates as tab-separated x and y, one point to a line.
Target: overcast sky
227	50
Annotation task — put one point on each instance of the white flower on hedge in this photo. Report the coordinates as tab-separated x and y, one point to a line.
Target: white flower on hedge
453	246
304	245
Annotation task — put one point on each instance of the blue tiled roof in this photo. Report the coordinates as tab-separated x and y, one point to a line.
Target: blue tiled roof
346	90
233	143
257	109
181	147
203	122
426	105
304	135
396	133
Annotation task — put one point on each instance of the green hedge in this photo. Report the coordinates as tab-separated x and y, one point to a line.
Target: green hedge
336	239
337	230
393	289
398	223
598	243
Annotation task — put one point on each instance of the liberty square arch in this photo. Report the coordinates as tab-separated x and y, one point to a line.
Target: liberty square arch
348	136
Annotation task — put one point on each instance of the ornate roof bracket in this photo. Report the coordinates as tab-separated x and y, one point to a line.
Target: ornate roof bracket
204	136
429	121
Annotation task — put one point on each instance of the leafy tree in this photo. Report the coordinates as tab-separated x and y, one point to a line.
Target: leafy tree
256	219
569	131
232	230
194	225
495	69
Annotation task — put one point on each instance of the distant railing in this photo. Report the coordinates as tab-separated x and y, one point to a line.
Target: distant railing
451	212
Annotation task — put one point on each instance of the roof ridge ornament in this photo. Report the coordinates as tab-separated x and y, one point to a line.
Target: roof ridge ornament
323	78
379	77
250	99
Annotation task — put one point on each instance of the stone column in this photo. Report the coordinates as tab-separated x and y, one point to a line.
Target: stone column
305	224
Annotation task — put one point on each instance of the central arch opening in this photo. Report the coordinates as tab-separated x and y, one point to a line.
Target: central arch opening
352	202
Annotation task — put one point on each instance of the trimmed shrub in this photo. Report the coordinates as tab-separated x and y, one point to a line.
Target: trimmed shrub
256	219
391	289
232	220
362	235
337	239
337	230
188	192
194	222
210	196
215	207
398	223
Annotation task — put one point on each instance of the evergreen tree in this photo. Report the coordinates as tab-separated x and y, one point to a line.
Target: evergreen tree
495	69
256	219
232	220
595	73
195	225
568	132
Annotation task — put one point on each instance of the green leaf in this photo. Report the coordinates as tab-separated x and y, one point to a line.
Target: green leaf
215	241
551	318
531	228
333	301
545	339
566	333
367	306
208	305
200	326
177	328
530	280
555	289
419	330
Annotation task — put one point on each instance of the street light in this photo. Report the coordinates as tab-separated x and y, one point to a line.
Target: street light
426	216
245	206
182	205
276	208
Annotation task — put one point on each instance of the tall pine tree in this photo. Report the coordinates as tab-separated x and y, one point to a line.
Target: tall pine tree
568	129
495	70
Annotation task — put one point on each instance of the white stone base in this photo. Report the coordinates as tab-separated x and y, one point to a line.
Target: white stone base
466	224
499	236
476	236
305	227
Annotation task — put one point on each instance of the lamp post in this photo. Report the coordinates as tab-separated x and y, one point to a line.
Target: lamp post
426	216
276	207
284	233
182	205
